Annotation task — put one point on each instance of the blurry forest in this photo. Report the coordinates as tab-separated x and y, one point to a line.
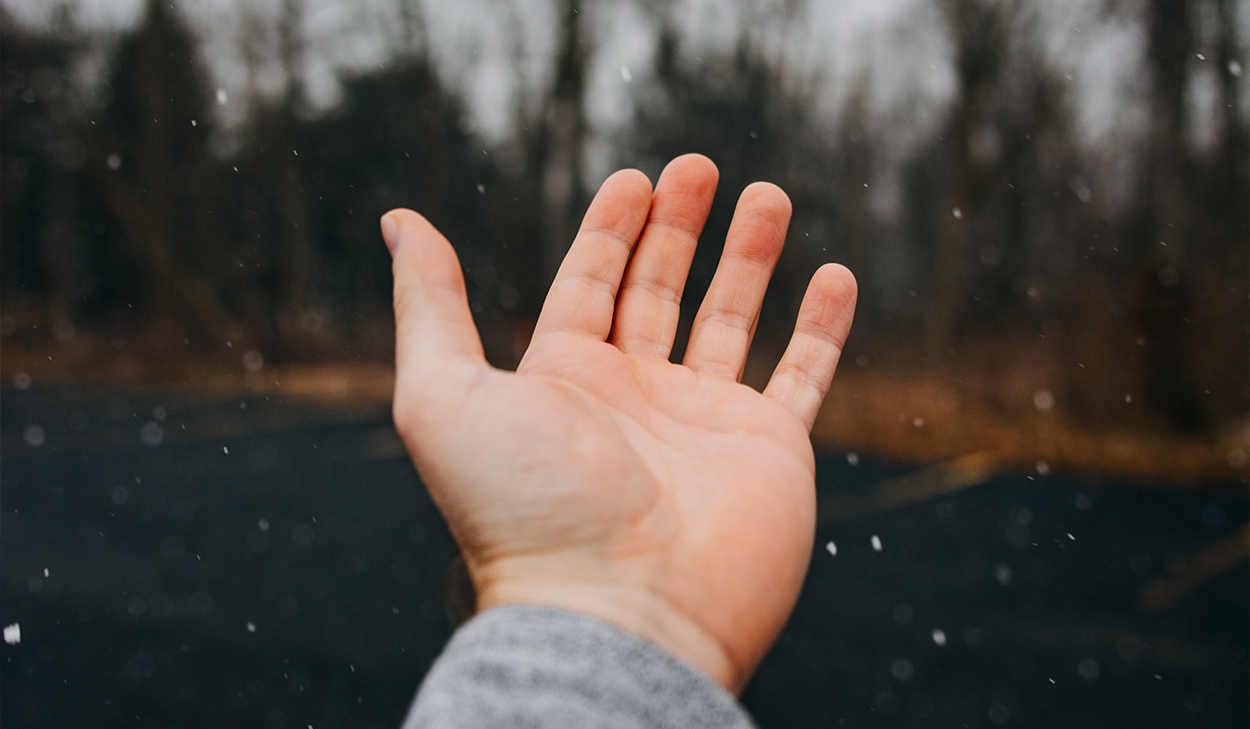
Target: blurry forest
1108	281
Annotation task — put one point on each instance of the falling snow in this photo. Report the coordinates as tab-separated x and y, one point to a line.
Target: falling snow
152	434
34	436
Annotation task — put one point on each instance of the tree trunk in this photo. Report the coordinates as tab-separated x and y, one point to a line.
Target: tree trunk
1164	296
298	257
565	123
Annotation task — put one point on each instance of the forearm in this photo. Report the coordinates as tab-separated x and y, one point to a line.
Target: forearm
523	665
619	596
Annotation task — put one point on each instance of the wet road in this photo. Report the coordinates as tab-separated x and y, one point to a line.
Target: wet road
183	561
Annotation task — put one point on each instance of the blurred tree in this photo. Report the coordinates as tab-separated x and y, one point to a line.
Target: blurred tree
298	259
979	33
41	149
397	139
412	34
151	161
281	235
1163	290
561	138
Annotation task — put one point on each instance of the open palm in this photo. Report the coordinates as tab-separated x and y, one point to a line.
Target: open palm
599	477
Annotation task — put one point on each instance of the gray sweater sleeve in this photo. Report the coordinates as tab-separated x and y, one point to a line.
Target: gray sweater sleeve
542	668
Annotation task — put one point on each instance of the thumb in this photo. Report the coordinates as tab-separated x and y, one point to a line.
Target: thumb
433	326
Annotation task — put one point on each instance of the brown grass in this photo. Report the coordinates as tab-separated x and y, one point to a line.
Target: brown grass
927	417
923	416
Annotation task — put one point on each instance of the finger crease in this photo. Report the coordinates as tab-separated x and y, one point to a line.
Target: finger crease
819	333
803	376
675	226
662	291
609	233
595	282
642	346
755	257
731	319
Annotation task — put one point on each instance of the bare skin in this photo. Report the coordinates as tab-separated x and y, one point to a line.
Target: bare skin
668	499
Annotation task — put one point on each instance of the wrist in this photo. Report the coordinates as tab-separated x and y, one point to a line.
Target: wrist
623	604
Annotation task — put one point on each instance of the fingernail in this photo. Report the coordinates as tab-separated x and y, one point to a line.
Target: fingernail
390	232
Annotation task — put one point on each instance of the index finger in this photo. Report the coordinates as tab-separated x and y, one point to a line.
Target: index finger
583	295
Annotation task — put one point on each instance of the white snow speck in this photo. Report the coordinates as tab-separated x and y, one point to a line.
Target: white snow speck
225	450
918	422
1071	537
959	214
253	361
193	123
13	634
251	627
939	637
832	549
221	97
852	458
626	76
34	436
876	543
45	571
151	433
1043	400
1089	669
1043	468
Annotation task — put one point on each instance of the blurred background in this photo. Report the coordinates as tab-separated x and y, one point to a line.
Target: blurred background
1046	205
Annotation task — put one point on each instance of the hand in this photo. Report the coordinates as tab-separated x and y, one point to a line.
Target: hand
670	500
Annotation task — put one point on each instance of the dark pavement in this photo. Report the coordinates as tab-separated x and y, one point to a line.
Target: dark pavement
180	561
